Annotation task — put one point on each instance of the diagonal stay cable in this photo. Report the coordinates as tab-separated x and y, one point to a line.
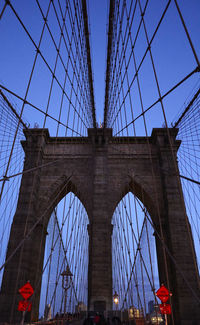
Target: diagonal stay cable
186	109
35	224
170	255
37	108
143	58
197	69
38	51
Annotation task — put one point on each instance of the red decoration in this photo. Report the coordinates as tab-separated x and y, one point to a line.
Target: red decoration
24	305
26	291
163	293
165	309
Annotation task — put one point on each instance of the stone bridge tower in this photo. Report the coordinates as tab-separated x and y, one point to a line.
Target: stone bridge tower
100	169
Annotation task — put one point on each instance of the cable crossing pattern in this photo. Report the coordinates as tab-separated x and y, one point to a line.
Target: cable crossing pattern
59	63
51	87
137	95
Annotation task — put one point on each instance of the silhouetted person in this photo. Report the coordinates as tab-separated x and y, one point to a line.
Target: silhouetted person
116	320
102	320
97	319
88	321
108	322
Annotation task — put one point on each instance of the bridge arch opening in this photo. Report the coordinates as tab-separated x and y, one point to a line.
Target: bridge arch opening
134	258
66	245
142	192
57	191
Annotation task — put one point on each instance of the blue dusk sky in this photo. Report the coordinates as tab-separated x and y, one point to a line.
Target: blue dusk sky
171	50
173	58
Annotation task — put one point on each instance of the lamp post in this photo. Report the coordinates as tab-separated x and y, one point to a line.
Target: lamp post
116	300
66	283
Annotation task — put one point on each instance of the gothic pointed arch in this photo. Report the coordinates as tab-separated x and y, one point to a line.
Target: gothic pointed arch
58	189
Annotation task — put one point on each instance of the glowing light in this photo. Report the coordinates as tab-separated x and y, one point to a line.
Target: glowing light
116	298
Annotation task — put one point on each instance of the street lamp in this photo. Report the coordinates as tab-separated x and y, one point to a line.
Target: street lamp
116	299
66	283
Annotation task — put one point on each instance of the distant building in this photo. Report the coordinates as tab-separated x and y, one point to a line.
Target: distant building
156	318
154	313
151	306
47	312
80	307
135	313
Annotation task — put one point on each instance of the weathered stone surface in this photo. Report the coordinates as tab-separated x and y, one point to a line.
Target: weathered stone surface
100	170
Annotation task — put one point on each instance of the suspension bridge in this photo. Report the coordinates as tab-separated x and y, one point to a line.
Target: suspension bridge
96	217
